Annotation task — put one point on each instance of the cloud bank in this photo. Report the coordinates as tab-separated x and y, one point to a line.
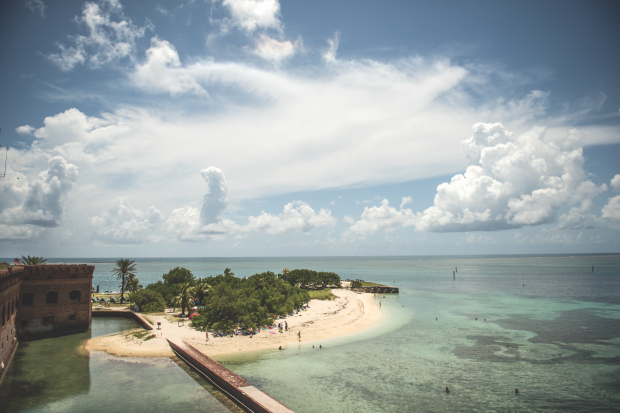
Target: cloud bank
512	181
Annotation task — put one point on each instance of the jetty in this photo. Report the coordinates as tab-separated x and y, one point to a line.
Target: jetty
373	288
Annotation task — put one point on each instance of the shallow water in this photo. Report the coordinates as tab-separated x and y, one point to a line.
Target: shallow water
536	308
58	375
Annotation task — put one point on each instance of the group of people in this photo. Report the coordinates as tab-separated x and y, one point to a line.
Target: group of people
282	327
242	332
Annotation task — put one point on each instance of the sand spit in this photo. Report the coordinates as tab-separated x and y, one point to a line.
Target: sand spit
349	313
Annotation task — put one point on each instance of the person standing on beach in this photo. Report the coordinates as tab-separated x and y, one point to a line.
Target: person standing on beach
207	335
299	335
285	326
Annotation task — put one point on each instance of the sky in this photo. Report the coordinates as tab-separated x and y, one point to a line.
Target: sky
226	128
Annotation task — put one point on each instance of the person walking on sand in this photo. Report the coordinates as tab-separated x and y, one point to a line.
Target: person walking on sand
285	325
207	335
299	335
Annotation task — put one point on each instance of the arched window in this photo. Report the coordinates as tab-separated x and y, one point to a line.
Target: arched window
27	299
73	317
74	295
51	297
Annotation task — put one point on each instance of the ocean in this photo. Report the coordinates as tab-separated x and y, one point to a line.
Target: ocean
552	330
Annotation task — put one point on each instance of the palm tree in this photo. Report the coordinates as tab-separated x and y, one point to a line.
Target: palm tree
33	260
228	271
185	299
124	268
133	284
201	290
285	273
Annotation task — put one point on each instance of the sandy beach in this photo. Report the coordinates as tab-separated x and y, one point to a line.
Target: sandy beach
324	319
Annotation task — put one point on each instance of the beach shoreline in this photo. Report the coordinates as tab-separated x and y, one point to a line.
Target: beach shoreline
349	313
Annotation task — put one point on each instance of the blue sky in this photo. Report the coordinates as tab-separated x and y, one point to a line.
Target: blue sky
248	128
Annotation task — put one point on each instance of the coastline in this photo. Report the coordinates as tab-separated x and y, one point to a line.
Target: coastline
349	313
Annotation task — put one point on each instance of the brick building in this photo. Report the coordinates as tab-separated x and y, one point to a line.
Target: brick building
43	301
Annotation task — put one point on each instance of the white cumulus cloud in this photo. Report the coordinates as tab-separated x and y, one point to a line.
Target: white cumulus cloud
273	50
297	215
162	71
611	211
512	181
123	224
216	198
111	37
42	203
615	182
383	218
250	15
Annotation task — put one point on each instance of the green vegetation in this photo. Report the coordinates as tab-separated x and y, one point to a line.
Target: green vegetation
33	260
124	268
356	284
229	302
325	294
369	284
148	301
310	279
247	302
143	335
186	298
4	265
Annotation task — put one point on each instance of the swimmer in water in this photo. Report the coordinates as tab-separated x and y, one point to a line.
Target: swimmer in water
280	348
516	391
447	389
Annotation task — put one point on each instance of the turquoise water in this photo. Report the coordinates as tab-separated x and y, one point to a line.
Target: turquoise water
58	375
536	308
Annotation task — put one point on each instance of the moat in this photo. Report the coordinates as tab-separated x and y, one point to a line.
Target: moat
57	374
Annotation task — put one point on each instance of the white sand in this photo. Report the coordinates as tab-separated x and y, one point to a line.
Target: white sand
349	313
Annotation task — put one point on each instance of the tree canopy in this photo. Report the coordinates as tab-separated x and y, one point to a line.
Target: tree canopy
310	279
148	301
247	302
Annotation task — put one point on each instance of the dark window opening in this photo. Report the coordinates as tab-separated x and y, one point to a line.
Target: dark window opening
73	317
51	297
49	277
27	277
27	299
3	314
24	323
48	320
74	295
73	275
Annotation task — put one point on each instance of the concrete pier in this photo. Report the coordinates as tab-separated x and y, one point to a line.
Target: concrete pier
247	396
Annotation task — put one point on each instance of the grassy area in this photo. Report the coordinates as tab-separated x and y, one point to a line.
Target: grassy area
143	335
325	294
369	284
4	265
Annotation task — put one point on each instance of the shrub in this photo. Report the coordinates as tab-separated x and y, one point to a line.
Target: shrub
148	301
